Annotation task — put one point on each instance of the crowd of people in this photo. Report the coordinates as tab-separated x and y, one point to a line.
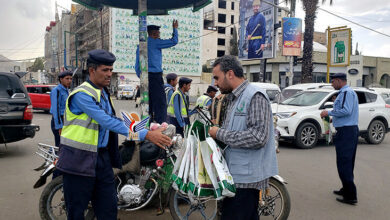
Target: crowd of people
86	129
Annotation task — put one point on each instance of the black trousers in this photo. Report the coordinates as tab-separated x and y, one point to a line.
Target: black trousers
100	190
346	141
157	98
56	133
243	206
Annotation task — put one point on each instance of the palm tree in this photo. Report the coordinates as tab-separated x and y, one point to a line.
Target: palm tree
310	7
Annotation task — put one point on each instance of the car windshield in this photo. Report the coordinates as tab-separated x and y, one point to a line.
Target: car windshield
272	94
287	93
306	98
128	88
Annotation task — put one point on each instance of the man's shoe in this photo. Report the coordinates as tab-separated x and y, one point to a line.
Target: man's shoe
347	201
338	192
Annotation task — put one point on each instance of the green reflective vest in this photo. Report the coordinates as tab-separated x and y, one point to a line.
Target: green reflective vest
171	108
202	100
81	131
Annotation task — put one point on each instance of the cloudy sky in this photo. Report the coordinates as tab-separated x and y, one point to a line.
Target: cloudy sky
23	24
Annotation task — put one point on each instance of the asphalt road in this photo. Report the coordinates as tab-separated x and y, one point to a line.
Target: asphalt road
311	176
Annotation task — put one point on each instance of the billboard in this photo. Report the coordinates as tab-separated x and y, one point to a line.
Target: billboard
292	36
256	33
182	59
339	46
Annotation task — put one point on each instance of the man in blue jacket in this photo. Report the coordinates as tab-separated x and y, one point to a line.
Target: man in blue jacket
157	103
170	86
345	119
89	143
255	32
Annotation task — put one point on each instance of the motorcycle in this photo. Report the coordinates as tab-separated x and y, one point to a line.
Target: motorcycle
134	192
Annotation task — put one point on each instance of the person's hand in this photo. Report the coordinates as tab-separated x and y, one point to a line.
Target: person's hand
59	131
262	47
175	24
324	113
249	37
213	132
214	121
158	138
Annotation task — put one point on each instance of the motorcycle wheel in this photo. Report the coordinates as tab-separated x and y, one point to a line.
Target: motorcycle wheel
181	208
52	202
276	203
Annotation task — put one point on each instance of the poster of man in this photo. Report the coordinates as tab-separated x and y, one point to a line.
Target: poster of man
256	33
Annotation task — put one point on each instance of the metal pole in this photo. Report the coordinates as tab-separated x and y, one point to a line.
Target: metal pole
65	50
143	57
328	57
75	43
291	77
265	70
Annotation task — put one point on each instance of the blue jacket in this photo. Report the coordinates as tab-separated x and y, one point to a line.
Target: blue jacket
260	32
250	165
169	90
155	47
58	98
346	108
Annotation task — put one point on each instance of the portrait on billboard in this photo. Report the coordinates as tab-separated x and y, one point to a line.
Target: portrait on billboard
256	29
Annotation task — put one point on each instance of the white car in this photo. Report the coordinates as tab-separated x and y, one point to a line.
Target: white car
299	116
384	92
294	89
125	92
272	90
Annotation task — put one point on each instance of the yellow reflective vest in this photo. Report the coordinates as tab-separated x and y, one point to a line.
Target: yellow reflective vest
171	108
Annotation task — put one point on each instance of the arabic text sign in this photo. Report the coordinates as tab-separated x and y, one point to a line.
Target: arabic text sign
339	47
292	36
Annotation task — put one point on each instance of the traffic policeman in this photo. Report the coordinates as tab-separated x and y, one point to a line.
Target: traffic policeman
170	86
89	142
205	100
345	115
157	103
255	32
58	97
178	113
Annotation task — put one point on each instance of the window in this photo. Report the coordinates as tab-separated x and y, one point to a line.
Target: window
222	18
232	5
220	53
361	97
371	97
232	19
5	87
32	90
221	41
222	4
221	30
231	31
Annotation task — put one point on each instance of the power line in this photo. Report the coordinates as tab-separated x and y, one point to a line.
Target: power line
5	61
354	22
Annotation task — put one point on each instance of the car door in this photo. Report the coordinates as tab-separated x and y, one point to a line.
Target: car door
33	92
366	110
45	98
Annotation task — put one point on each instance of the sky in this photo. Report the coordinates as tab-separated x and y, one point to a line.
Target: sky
23	24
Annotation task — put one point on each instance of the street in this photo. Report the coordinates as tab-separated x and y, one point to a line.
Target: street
311	176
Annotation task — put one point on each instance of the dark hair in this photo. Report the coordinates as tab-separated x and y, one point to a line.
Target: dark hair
92	65
181	84
229	62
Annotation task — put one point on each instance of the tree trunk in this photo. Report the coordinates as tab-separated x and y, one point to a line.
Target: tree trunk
310	8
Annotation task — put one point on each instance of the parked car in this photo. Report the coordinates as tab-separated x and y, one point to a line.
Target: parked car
299	116
272	90
15	110
126	92
384	92
40	96
294	89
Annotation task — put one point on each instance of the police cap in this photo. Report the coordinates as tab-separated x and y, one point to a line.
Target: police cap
212	88
342	76
101	57
153	28
65	73
171	76
184	80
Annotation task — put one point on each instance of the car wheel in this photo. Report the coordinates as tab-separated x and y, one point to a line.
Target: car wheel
376	132
306	136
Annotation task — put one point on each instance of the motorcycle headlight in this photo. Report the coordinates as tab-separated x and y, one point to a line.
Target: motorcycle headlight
283	115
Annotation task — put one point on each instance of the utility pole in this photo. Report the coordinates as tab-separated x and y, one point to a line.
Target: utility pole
292	14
